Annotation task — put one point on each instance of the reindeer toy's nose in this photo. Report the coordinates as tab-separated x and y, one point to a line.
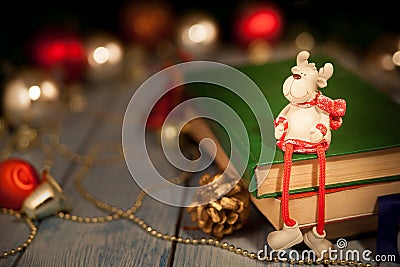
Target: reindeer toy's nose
297	76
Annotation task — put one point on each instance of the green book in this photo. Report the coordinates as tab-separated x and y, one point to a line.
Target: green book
365	149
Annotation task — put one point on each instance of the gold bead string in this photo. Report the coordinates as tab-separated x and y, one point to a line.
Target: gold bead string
107	117
210	241
28	241
88	161
91	159
76	157
27	138
22	138
116	212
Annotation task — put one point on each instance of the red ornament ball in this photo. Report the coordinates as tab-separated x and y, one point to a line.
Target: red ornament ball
60	51
18	179
259	22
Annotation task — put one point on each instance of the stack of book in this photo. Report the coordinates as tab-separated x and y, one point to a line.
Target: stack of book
363	161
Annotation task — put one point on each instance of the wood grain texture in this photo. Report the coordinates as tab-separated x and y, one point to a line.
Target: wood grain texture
117	243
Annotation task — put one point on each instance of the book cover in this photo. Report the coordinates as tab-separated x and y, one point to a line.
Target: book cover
363	199
370	125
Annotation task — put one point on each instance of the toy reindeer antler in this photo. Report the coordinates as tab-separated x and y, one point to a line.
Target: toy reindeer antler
302	58
326	71
324	74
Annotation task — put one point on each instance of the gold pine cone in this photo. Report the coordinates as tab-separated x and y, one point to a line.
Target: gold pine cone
225	215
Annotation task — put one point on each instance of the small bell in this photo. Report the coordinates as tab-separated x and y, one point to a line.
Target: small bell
47	199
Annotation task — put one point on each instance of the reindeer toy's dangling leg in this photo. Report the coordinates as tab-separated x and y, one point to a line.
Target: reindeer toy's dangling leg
303	126
290	234
315	239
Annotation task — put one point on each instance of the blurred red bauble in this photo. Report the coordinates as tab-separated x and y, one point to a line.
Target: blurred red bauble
147	22
18	179
172	98
60	51
259	22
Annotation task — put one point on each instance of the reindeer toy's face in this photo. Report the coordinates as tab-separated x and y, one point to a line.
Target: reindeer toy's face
303	85
304	126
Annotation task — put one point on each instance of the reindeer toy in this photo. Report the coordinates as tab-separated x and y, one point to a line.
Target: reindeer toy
303	126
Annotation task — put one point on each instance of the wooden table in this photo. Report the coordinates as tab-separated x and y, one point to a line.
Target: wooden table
121	242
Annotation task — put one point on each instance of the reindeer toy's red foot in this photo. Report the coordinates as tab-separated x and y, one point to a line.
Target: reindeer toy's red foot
303	126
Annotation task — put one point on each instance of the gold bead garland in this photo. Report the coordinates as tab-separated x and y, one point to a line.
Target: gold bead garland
130	215
235	206
28	241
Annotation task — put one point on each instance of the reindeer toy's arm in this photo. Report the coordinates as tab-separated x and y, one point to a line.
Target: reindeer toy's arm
281	123
320	131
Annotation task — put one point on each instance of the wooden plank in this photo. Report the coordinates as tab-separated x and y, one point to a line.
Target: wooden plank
71	136
117	243
13	233
251	237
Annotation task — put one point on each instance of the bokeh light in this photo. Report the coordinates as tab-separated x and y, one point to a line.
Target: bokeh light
259	22
34	92
305	41
59	51
146	23
32	97
387	62
396	58
105	55
100	55
259	52
197	33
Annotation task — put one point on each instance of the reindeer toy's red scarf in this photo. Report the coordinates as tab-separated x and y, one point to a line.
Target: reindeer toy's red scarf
336	108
